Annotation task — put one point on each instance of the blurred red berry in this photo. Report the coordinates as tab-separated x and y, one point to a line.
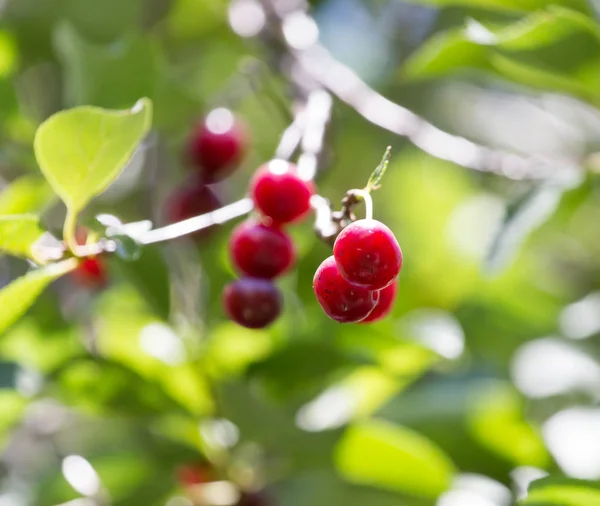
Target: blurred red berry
252	303
261	251
192	199
92	272
279	192
217	145
194	474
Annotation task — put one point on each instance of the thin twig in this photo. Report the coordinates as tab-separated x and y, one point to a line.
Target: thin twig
319	65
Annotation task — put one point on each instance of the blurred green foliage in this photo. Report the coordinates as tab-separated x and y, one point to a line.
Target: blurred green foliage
147	375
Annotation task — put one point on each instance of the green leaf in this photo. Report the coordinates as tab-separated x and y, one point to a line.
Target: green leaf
496	420
477	46
19	295
561	491
18	233
445	53
506	5
380	454
81	151
379	172
28	194
544	28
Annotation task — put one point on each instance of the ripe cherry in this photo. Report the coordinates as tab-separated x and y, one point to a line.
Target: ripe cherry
368	254
340	300
192	199
261	251
251	302
91	272
217	145
279	192
387	297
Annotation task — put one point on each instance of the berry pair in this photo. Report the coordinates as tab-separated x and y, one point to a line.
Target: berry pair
215	149
91	272
261	250
359	282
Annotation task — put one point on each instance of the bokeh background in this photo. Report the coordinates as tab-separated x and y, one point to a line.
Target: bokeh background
486	376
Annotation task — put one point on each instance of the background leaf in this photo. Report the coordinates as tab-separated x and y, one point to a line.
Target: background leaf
561	491
81	151
28	194
19	295
18	233
393	457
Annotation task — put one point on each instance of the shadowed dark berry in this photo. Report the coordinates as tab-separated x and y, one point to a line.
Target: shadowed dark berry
387	297
251	302
279	193
368	254
91	272
261	251
192	199
217	145
254	499
340	300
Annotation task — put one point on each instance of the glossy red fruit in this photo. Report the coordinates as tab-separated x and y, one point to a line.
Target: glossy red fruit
340	300
91	272
384	306
279	192
368	254
251	302
192	199
261	251
217	145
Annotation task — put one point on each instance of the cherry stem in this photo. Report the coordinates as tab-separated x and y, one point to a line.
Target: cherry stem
366	196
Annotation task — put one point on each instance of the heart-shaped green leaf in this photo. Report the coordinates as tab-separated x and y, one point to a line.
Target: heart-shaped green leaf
18	233
82	150
18	296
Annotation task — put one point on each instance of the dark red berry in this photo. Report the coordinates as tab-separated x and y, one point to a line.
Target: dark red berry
194	474
261	251
192	199
340	300
217	145
91	272
253	499
279	192
251	302
387	297
368	254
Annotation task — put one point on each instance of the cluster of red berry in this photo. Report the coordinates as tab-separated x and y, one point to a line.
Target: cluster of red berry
260	249
359	282
215	149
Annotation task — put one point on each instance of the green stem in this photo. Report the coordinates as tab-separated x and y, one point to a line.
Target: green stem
69	231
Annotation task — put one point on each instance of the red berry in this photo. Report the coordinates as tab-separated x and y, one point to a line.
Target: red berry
279	193
253	499
340	300
261	251
91	272
368	254
192	199
194	474
384	306
217	145
251	302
